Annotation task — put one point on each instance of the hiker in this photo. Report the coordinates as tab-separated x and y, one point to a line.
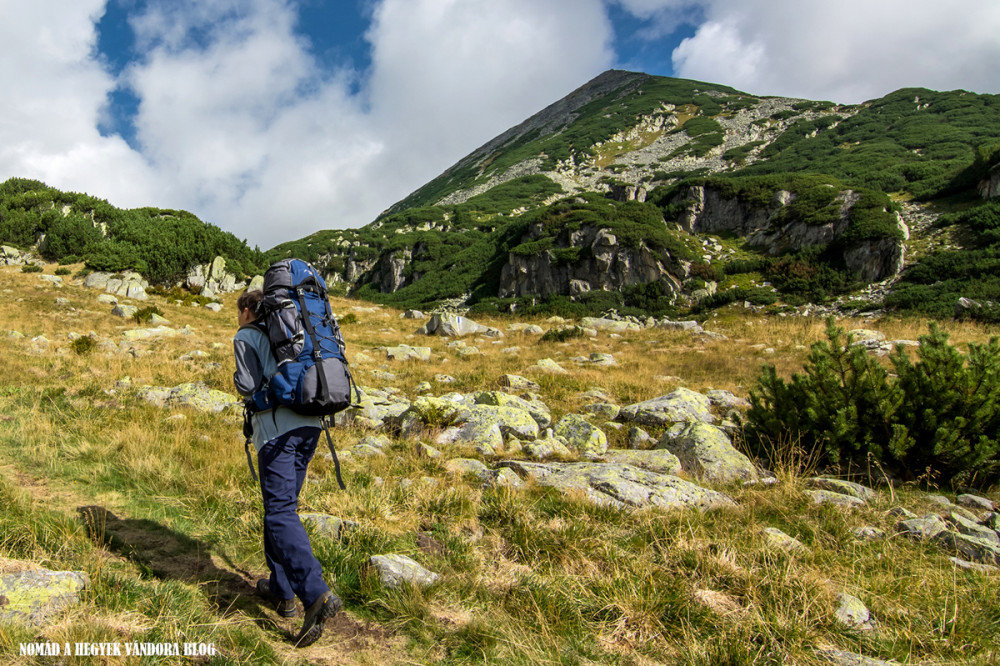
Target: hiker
285	442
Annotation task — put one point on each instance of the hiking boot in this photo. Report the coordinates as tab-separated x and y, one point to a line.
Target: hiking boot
325	607
284	607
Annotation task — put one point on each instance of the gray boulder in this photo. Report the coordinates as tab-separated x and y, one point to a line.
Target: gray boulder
325	525
927	527
836	499
124	311
842	487
778	539
660	461
452	325
680	405
34	597
396	570
190	394
407	353
589	440
621	485
706	452
852	613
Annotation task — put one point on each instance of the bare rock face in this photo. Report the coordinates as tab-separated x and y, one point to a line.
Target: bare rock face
604	264
708	211
989	188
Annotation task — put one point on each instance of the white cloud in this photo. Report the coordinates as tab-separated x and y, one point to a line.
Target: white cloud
845	51
55	92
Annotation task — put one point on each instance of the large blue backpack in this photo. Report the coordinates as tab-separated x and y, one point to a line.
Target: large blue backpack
313	376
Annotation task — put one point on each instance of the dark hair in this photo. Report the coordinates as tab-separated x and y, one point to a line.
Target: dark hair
250	299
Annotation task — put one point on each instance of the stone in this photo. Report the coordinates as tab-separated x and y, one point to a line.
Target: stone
974	566
517	383
726	400
974	502
546	448
427	451
680	405
868	533
406	353
190	394
108	299
444	379
452	325
602	410
927	527
325	525
134	334
124	311
413	314
485	437
855	490
779	539
538	410
602	359
621	485
609	325
971	528
464	466
706	452
637	437
969	547
550	366
588	440
660	461
396	570
836	499
34	597
901	512
851	612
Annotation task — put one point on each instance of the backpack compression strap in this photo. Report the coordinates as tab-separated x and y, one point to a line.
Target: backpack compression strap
333	452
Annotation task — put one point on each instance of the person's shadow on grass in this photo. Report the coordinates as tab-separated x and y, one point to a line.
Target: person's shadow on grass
166	554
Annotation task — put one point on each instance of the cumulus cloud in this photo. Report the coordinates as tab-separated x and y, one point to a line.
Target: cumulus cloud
845	51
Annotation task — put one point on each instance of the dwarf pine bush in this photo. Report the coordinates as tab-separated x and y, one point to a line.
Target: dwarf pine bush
936	419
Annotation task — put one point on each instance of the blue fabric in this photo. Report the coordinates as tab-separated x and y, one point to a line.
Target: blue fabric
282	462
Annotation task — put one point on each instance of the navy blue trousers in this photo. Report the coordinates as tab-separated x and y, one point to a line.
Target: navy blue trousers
295	571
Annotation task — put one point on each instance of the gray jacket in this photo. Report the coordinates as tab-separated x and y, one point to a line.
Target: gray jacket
254	365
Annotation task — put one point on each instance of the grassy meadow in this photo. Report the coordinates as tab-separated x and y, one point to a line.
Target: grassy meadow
159	509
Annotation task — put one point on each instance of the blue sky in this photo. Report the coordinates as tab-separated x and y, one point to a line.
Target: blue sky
276	118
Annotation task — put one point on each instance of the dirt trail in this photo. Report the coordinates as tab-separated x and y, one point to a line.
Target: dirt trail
168	554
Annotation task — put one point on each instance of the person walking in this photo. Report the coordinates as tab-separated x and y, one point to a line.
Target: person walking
285	442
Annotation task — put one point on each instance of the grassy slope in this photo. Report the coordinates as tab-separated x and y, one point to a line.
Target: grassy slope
527	577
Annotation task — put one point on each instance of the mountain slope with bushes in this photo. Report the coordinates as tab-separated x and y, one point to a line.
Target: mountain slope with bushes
721	196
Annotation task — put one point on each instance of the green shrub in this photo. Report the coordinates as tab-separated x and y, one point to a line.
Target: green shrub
31	268
83	345
936	420
562	334
62	271
145	315
349	318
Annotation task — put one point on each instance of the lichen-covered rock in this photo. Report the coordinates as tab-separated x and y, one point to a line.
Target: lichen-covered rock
837	499
510	419
135	334
726	400
35	596
396	570
517	383
852	613
971	528
325	525
484	436
779	539
706	452
550	366
660	461
452	325
538	410
974	502
466	466
682	405
868	533
589	440
842	487
927	527
546	448
970	547
190	394
621	485
610	325
408	353
602	410
842	658
124	311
